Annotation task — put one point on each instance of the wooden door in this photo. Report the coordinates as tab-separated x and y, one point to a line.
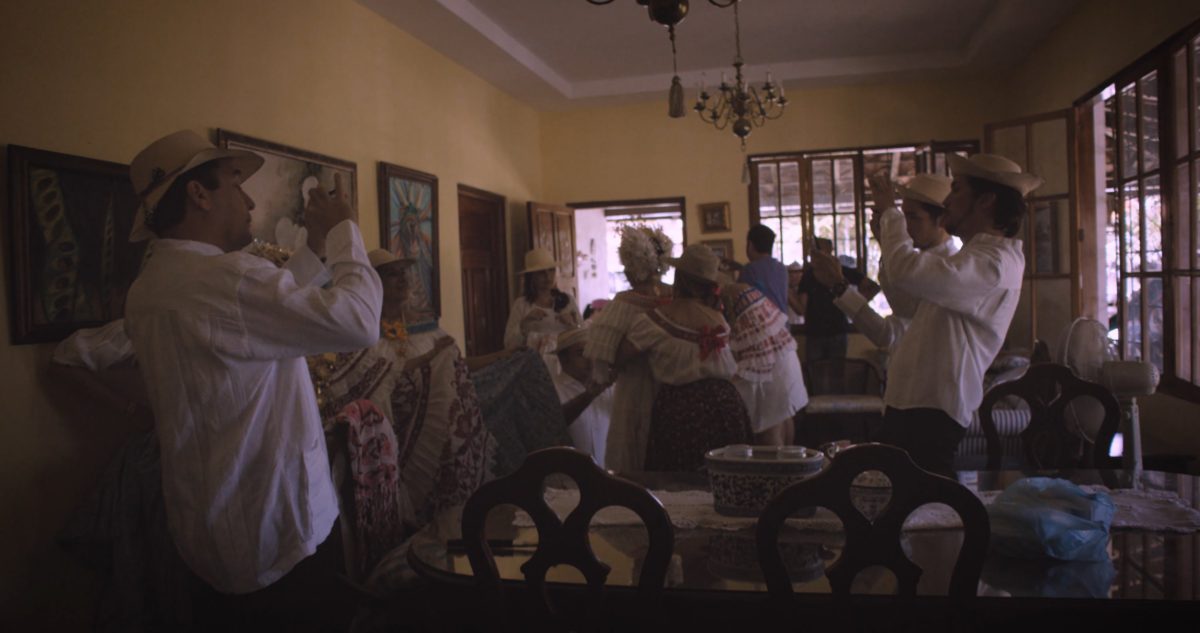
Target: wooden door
552	227
1042	144
481	239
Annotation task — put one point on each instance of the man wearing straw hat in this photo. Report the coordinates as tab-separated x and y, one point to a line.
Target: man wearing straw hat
966	302
221	337
922	204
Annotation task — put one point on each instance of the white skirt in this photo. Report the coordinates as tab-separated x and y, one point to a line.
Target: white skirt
778	399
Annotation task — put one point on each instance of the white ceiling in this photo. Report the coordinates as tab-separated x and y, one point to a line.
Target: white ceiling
559	54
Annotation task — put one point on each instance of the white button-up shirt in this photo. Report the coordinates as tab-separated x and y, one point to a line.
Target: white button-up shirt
967	301
886	331
221	339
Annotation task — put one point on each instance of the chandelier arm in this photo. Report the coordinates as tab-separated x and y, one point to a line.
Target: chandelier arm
715	3
603	2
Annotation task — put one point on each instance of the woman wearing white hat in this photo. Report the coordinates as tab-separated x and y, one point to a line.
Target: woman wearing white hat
644	252
696	407
542	310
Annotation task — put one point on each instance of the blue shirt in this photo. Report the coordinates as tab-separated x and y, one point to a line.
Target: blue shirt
770	277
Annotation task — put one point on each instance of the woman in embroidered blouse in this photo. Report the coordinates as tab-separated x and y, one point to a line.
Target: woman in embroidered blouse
696	407
542	311
643	251
768	375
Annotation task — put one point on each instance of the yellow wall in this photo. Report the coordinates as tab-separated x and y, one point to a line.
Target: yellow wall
1099	39
102	79
635	151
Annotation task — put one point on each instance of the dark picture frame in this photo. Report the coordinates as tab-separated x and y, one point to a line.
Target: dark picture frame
408	228
721	248
71	261
714	217
280	188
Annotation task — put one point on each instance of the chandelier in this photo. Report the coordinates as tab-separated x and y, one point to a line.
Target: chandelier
740	105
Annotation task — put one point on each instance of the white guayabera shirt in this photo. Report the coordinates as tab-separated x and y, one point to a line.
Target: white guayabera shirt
886	331
221	340
967	301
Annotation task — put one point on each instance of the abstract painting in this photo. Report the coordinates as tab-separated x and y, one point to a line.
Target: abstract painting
72	262
408	205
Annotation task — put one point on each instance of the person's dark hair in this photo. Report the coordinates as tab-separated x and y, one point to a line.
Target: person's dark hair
762	237
688	286
169	210
933	210
561	299
1010	204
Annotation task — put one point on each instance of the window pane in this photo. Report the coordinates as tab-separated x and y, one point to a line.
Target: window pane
823	226
1196	91
847	240
1154	327
1195	312
1112	263
1133	319
789	185
1129	130
1009	142
792	244
1153	216
822	183
768	190
1184	343
1050	155
1149	121
1183	234
843	170
1110	142
1179	79
1133	228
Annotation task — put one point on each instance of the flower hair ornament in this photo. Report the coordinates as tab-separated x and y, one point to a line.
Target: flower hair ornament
643	251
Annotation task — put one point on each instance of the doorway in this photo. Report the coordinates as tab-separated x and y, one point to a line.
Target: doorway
481	240
599	273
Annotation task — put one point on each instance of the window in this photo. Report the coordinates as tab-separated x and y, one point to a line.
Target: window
1149	164
810	194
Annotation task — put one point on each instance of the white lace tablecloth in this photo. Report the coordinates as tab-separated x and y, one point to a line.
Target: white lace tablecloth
690	509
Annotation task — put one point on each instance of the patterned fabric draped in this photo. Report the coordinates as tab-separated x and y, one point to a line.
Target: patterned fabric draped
520	407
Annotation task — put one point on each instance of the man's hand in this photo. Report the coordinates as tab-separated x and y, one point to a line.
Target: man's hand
883	194
827	269
325	211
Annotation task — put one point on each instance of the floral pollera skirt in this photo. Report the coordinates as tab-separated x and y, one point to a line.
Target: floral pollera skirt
688	420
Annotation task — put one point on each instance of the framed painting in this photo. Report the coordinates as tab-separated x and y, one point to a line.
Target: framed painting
408	210
69	219
714	218
721	248
280	188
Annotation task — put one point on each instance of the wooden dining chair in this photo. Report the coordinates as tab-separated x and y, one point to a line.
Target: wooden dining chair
1049	441
564	542
875	542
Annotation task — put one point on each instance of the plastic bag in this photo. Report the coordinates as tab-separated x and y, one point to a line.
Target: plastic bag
1042	517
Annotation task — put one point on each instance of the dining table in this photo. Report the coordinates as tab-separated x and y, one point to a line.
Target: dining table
1151	574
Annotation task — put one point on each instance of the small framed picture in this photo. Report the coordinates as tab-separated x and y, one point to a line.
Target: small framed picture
721	248
714	218
408	227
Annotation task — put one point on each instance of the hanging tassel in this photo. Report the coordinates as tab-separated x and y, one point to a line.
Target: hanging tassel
745	165
675	102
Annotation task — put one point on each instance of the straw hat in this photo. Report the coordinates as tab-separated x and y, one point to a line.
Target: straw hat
569	338
156	167
996	169
795	267
926	188
538	259
381	257
697	260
